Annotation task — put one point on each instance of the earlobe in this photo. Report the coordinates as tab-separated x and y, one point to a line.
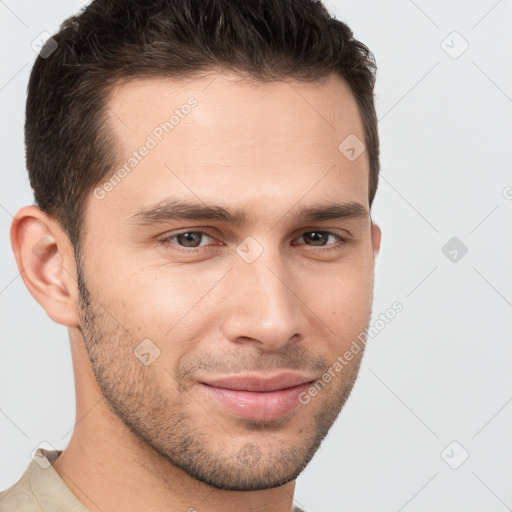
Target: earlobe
44	257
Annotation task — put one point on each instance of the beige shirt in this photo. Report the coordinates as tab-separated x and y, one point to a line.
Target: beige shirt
41	489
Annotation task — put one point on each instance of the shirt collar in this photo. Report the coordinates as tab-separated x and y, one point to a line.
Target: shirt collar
48	487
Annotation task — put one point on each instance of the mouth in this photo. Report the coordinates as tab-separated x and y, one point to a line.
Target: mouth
256	396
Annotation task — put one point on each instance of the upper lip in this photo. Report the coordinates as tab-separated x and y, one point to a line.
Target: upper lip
258	382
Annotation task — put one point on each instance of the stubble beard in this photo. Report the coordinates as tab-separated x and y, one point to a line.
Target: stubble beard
136	396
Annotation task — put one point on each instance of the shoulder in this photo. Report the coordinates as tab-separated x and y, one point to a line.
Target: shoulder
19	497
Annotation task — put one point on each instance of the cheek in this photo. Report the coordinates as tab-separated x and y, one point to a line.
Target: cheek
165	305
144	293
342	300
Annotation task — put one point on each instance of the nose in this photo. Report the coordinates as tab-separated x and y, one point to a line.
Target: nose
264	307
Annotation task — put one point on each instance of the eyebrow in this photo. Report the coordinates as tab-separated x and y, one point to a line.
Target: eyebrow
169	210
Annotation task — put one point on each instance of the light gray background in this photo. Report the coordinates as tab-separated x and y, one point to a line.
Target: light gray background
441	370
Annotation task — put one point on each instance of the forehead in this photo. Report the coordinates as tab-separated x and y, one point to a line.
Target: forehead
222	137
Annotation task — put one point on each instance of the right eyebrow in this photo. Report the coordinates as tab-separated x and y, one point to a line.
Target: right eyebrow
167	210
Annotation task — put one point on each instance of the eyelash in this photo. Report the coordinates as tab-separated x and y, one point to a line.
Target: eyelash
341	241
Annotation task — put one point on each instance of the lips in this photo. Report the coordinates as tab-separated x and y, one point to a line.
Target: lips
256	396
259	383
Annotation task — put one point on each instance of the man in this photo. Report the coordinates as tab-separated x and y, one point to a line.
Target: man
203	173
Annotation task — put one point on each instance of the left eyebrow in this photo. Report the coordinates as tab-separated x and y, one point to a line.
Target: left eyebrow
332	212
170	209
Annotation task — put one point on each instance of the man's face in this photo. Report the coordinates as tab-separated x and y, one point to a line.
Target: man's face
171	316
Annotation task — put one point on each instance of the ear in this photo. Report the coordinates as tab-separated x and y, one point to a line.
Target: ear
376	238
45	258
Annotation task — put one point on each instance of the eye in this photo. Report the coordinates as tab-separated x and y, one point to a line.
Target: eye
320	238
190	239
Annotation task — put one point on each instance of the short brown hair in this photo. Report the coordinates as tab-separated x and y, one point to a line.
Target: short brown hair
69	150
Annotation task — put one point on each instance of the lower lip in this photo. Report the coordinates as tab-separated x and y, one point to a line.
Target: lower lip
257	405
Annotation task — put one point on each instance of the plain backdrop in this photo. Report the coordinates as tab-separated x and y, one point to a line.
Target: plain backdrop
428	425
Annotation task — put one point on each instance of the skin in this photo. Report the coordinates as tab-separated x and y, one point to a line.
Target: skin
147	437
